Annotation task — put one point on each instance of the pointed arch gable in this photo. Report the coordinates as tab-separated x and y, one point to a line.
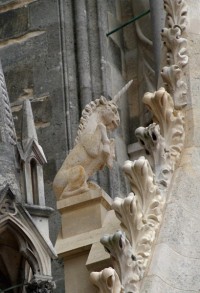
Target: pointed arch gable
30	247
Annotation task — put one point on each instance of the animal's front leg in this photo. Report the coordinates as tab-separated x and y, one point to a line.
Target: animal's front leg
108	146
112	153
104	140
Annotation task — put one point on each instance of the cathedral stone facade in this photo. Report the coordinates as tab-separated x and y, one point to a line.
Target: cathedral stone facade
62	60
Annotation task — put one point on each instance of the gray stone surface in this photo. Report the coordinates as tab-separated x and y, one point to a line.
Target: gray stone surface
16	27
156	284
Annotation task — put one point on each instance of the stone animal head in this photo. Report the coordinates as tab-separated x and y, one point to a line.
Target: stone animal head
109	113
106	112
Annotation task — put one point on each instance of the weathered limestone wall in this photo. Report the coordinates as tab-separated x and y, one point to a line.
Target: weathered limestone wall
176	260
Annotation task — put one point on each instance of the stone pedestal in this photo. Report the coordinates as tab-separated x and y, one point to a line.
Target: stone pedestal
85	219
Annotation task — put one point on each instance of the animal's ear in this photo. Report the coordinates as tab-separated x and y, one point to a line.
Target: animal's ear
103	100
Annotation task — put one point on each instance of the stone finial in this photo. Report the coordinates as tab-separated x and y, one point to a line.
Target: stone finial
29	139
28	126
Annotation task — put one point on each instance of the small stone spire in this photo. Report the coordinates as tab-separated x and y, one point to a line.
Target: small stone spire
29	139
33	159
28	126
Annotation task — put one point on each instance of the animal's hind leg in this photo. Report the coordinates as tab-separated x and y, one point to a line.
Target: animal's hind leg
76	181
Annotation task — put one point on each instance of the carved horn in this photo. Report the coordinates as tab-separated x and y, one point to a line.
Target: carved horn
121	92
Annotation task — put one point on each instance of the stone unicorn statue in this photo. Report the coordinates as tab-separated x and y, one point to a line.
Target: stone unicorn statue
93	149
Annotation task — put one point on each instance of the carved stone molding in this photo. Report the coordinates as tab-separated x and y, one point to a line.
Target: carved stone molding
170	120
173	36
162	140
176	13
141	212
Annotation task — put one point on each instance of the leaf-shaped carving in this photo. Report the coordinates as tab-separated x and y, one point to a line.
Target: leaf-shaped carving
107	281
124	261
176	45
141	213
175	86
153	143
142	181
157	152
171	121
126	211
176	13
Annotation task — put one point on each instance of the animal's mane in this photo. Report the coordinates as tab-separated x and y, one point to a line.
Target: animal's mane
86	113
